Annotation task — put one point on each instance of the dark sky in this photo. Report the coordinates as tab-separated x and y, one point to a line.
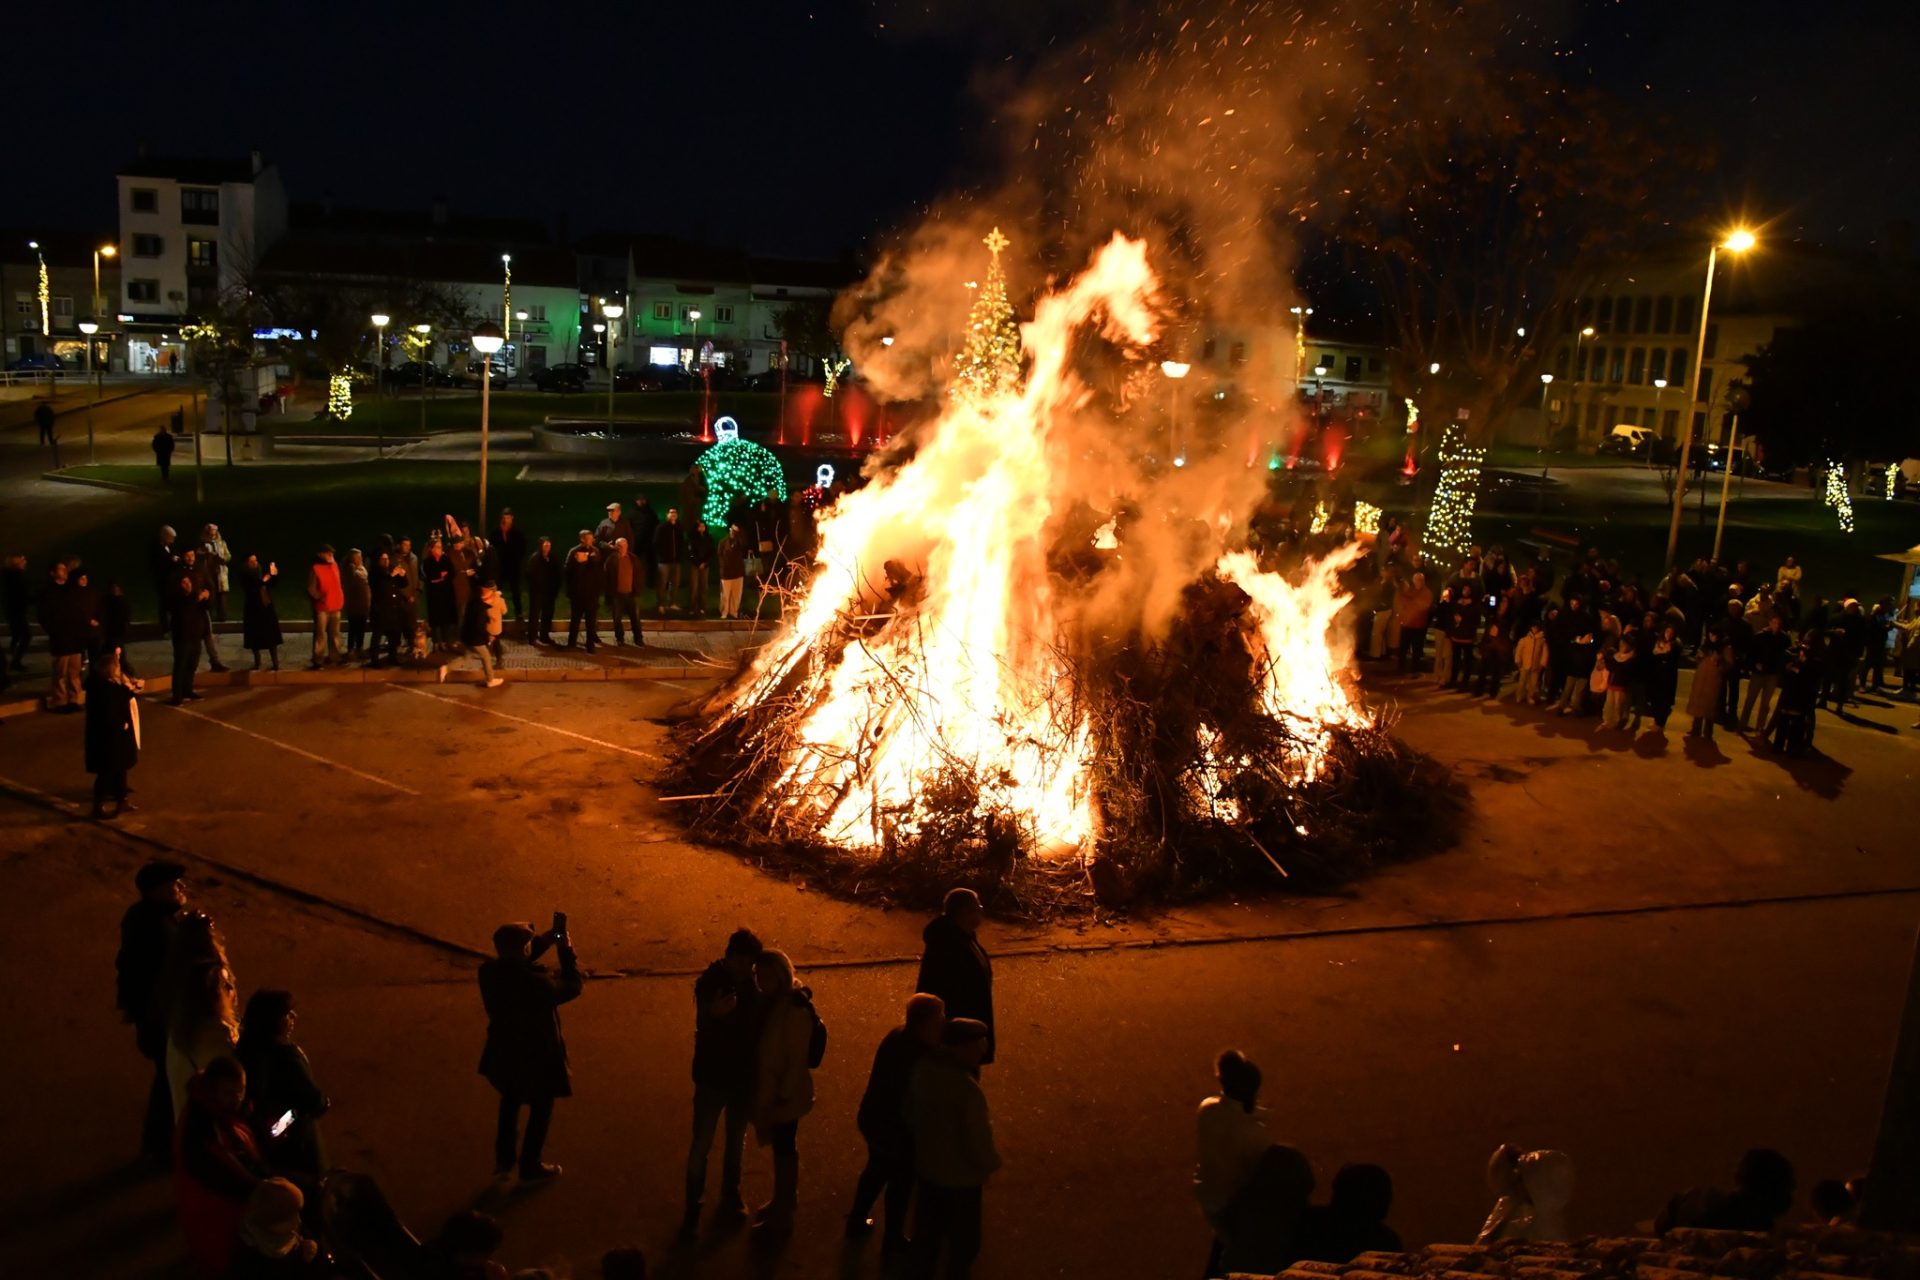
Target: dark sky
809	127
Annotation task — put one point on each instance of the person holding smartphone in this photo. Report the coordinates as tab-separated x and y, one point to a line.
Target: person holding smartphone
287	1102
525	1058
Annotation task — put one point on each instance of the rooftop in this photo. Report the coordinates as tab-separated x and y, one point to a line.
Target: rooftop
206	169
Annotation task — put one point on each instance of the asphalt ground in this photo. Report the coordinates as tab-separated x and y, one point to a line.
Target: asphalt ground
1650	958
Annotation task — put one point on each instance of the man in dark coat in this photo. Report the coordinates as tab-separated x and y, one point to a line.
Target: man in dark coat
188	605
543	588
883	1121
525	1058
955	966
725	1045
583	592
43	418
163	452
669	549
160	564
64	617
112	732
146	931
509	547
646	523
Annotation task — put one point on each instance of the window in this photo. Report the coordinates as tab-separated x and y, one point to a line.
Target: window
1642	314
1586	312
538	313
143	200
1663	316
199	206
148	246
1713	341
24	305
1683	315
1656	363
1618	371
201	295
1637	366
663	355
1706	384
1353	368
1603	315
143	291
1677	367
63	308
201	253
1671	424
663	311
723	315
686	314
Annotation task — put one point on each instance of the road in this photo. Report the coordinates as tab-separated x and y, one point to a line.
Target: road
1650	959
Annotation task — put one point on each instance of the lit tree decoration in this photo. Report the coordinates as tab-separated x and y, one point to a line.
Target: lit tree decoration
1366	518
833	369
1450	519
1893	480
1837	496
989	363
46	296
340	397
737	469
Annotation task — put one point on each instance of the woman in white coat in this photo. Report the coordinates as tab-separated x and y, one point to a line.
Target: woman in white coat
783	1078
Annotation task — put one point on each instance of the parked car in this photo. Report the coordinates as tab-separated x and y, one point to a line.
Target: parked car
651	377
417	373
470	376
39	362
562	377
1520	491
1715	457
1629	441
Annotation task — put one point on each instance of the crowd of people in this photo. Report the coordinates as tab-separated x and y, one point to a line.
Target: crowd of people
1596	639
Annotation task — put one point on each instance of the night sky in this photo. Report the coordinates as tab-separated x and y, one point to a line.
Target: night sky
811	128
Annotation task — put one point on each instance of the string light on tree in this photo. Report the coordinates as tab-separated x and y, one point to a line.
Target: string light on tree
1837	496
46	292
989	362
1450	519
1366	518
736	470
833	369
340	397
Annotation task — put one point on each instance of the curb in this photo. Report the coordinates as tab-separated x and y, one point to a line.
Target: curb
60	477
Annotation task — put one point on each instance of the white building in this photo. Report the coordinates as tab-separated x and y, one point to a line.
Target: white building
191	230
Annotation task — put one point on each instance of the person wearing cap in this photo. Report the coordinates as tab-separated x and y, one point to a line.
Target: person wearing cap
953	1150
146	933
584	581
525	1058
883	1122
612	529
955	966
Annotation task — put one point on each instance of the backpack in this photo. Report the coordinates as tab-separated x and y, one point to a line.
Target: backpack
817	1039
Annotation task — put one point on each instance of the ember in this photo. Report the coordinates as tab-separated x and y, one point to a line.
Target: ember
949	702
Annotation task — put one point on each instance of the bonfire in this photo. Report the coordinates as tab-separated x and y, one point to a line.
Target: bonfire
975	684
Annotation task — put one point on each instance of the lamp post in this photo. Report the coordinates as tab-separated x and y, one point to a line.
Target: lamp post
612	311
104	251
1659	393
1739	241
520	348
487	340
380	322
89	328
1175	371
426	371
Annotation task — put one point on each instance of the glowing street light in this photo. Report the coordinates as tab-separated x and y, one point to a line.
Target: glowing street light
612	311
487	340
1176	370
520	349
1434	368
104	251
89	327
1739	240
887	341
426	370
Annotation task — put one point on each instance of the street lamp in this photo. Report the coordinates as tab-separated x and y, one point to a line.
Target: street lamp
1738	241
1659	393
1433	368
506	291
104	251
612	311
90	327
693	314
487	340
426	371
1176	370
520	348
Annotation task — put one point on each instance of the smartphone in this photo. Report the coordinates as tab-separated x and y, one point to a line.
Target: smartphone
559	924
284	1123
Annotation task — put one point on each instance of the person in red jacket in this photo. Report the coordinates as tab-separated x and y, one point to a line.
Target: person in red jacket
328	598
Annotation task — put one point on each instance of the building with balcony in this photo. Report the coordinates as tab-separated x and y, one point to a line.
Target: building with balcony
191	231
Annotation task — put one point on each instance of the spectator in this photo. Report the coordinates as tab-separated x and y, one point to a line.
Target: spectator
215	557
1267	1221
1703	701
1619	669
953	1150
160	565
1441	620
190	626
409	564
280	1080
1495	651
669	549
463	555
1354	1220
543	589
1530	657
216	1165
726	1014
1413	608
1787	577
43	418
1878	637
162	445
623	578
1766	660
583	592
1231	1135
271	1246
525	1058
63	618
1531	1192
389	615
480	632
357	591
955	967
883	1123
14	595
1762	1192
113	733
328	598
613	528
1580	649
733	571
646	523
146	933
436	576
205	579
783	1078
700	557
1663	674
510	547
202	1025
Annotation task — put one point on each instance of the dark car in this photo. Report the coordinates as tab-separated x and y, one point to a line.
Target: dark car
470	376
39	362
1520	491
562	377
416	373
653	377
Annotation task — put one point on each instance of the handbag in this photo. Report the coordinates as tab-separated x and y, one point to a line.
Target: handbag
1598	680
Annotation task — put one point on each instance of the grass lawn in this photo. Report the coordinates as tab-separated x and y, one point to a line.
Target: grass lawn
284	513
460	411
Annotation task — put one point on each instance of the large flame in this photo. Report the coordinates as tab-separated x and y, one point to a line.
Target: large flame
957	661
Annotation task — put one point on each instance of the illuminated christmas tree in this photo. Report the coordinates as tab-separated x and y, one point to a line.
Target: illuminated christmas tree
989	363
1449	533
